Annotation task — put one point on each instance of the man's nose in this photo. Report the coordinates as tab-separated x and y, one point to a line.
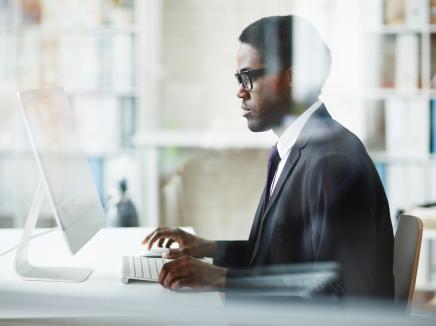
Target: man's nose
242	92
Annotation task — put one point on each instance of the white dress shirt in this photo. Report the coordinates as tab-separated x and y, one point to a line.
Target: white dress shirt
287	139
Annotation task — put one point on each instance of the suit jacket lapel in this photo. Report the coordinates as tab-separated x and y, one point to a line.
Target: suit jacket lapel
312	125
293	158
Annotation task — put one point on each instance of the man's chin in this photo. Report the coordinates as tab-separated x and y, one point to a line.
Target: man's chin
255	127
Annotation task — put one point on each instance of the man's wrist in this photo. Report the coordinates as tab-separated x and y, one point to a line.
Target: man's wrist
211	248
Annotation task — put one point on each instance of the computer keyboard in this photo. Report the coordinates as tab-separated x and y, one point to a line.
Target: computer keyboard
142	268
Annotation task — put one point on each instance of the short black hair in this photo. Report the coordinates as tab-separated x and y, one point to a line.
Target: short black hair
283	41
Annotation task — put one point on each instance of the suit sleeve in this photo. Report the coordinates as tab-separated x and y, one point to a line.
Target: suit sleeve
232	254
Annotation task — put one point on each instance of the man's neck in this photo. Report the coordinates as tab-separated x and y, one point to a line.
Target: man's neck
297	110
286	122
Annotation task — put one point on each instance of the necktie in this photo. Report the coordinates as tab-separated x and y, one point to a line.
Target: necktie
273	163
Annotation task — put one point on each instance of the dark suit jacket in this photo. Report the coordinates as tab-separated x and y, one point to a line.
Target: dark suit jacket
328	205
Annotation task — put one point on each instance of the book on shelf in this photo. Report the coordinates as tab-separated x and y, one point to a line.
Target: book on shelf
407	127
31	12
418	127
375	125
433	126
416	13
433	60
407	62
433	12
394	12
410	13
384	59
396	61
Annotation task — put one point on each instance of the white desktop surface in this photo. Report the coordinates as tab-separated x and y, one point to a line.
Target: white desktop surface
104	254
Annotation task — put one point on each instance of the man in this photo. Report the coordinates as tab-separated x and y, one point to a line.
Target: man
323	200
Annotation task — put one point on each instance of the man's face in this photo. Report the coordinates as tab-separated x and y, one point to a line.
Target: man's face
269	101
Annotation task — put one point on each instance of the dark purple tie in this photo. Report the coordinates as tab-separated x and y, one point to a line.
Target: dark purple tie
273	163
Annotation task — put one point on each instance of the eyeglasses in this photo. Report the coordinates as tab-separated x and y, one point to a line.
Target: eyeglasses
246	77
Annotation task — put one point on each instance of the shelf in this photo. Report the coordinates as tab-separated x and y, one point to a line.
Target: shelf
103	92
402	159
204	139
402	29
99	92
7	153
48	30
381	93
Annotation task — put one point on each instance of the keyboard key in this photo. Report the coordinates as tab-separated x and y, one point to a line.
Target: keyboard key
153	269
131	266
159	265
138	268
145	267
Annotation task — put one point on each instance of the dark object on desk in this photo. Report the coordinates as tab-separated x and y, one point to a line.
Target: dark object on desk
122	213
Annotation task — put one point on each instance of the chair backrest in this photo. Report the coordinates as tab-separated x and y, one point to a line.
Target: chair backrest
406	257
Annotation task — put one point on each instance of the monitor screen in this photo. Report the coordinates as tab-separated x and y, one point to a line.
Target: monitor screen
61	159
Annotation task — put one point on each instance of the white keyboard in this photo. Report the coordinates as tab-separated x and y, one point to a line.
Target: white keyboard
142	268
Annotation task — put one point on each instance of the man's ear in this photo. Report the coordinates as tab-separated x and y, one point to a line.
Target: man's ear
285	79
289	72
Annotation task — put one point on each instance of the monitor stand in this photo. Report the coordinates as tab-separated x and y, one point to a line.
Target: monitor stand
43	273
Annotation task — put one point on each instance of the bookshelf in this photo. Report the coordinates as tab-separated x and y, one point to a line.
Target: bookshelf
400	108
400	98
93	52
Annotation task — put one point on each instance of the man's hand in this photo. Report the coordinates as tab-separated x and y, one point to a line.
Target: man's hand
189	244
191	272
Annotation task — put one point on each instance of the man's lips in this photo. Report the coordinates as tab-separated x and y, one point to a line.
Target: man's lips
245	109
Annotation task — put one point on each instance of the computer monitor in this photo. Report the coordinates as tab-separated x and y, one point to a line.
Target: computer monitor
65	178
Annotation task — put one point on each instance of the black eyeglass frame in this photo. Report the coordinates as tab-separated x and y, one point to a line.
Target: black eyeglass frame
253	73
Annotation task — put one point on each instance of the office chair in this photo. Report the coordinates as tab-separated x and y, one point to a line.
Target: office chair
406	257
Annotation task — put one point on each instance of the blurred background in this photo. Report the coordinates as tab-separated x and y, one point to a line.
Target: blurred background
152	87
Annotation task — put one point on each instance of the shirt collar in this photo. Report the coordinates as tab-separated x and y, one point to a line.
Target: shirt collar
291	133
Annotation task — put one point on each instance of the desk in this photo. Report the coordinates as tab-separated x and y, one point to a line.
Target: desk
104	300
102	294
